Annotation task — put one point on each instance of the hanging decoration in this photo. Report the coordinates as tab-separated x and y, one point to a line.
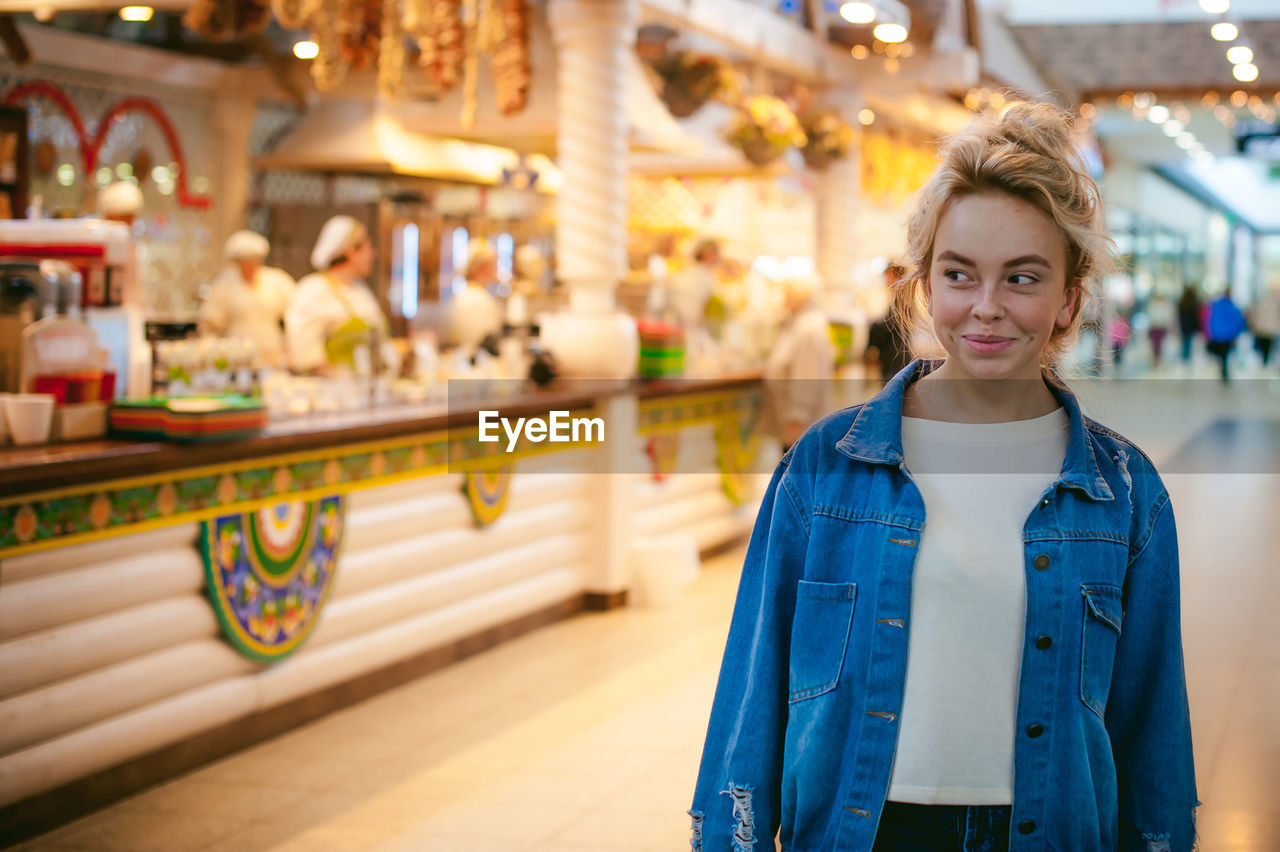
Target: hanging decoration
690	79
829	139
220	20
763	128
486	492
269	572
451	37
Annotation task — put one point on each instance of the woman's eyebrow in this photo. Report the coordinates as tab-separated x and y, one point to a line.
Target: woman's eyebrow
1017	261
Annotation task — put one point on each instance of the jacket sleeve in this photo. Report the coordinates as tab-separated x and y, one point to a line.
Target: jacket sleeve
1147	714
736	803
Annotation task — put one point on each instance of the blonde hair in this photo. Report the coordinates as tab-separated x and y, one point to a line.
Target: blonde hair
1028	153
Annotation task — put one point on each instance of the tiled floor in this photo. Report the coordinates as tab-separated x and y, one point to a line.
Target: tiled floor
586	734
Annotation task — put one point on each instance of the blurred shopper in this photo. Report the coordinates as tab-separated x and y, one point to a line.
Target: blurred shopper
1264	322
1188	320
1118	333
1161	316
887	347
1224	322
800	366
1010	672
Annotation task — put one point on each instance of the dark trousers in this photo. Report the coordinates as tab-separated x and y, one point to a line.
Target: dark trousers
1188	337
943	828
1221	349
1262	343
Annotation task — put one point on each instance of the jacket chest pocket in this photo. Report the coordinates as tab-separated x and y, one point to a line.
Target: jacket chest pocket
1102	618
819	637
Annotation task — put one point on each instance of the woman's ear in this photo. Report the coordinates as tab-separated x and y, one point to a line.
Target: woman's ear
1071	304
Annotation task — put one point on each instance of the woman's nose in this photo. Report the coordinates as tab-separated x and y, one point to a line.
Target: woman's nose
988	306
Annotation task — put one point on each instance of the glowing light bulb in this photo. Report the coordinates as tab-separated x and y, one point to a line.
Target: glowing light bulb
1158	114
1239	55
890	33
1215	7
306	50
858	13
138	14
1224	31
866	117
1245	72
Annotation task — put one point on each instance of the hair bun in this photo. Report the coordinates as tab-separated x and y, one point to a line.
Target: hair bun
1038	126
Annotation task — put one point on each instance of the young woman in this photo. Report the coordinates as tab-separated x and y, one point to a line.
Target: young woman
957	626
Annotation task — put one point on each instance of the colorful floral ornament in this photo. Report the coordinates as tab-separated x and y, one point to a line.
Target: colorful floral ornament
486	492
269	573
663	450
737	445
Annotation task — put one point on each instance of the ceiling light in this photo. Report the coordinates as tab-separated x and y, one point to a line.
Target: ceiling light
1246	72
1239	98
1143	100
1239	54
1224	31
1215	7
890	33
1172	127
140	14
860	51
306	50
1185	140
1158	114
858	13
866	116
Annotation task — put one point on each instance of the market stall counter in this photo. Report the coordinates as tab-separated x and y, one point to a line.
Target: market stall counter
164	604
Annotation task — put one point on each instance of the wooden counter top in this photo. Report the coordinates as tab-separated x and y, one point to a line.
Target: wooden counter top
25	470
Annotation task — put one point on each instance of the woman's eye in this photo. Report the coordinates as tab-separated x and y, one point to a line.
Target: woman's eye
1023	279
955	275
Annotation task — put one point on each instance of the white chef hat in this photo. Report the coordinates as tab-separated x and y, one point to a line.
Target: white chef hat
122	198
246	245
340	236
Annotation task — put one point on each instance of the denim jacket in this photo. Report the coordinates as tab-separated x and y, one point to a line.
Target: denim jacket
804	724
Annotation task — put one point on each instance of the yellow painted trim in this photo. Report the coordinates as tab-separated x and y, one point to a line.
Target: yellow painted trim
448	436
485	463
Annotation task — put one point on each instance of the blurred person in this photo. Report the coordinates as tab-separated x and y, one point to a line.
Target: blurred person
690	289
475	315
333	314
1161	315
1188	320
1118	333
801	364
248	299
1224	322
887	347
1008	674
1264	323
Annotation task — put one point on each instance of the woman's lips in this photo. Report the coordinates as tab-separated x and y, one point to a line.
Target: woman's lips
986	344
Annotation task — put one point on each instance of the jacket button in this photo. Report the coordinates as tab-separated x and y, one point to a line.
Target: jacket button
1026	827
1035	731
1042	562
1043	643
1044	504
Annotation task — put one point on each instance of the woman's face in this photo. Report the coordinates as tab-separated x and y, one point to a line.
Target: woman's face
997	286
361	259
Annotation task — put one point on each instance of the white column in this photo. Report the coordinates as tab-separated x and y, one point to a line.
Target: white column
233	116
593	39
839	190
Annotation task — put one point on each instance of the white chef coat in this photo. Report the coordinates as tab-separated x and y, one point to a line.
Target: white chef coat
318	312
238	308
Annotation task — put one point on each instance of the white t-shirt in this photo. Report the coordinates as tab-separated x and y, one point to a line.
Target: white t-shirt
317	312
980	482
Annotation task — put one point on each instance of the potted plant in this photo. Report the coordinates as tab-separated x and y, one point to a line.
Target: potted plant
763	128
689	80
829	139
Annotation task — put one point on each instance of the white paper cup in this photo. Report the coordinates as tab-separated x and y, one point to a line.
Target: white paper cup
30	416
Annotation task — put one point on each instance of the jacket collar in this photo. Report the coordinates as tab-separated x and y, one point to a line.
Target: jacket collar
876	433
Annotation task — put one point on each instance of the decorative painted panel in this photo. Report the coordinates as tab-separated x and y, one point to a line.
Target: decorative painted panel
269	572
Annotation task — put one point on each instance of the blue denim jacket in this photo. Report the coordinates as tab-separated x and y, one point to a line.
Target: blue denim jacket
805	720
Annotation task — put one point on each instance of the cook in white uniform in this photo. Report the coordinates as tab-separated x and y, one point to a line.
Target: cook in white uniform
334	314
248	299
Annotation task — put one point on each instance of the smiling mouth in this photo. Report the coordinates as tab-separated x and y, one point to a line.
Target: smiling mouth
986	338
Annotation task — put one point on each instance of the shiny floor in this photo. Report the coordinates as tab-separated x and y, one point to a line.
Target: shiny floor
585	735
